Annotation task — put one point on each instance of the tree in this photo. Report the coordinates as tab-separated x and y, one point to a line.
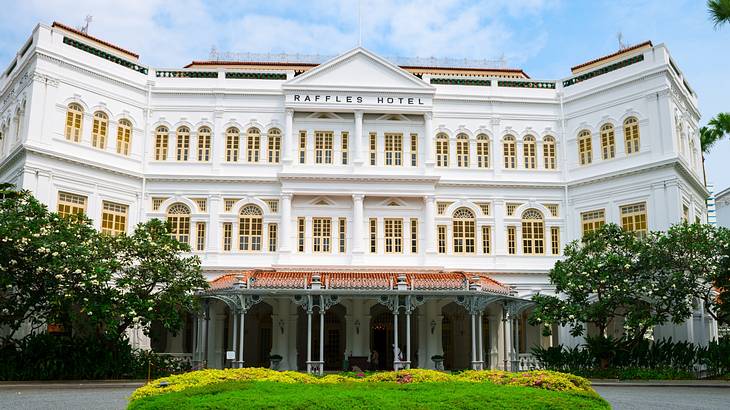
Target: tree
610	274
697	256
719	11
715	130
45	263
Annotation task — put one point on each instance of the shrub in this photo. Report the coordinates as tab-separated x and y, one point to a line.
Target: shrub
416	376
542	379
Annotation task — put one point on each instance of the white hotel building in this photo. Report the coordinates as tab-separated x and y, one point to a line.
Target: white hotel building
349	206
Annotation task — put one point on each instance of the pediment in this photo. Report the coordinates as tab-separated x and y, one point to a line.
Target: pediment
358	69
322	201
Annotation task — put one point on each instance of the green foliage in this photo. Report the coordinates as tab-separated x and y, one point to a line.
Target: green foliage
663	359
57	357
719	11
462	395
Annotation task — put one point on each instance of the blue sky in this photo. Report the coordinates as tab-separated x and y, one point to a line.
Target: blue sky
544	37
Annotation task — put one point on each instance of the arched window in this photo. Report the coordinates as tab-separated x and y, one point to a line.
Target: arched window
462	151
608	142
178	215
250	228
533	232
510	152
692	153
274	145
99	130
482	151
548	152
631	135
183	144
161	140
585	147
74	119
253	143
442	150
204	144
232	141
124	137
529	149
464	231
680	135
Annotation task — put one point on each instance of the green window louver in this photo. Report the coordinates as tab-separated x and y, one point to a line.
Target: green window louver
603	70
255	76
461	81
103	54
548	85
187	74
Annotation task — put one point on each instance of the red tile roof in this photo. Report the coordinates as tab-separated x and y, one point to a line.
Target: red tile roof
79	33
359	280
606	57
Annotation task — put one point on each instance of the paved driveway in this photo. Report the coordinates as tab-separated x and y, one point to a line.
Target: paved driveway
64	398
666	398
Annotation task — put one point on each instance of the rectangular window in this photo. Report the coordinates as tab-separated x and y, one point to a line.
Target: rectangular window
592	220
555	240
373	235
232	148
393	235
482	152
321	234
685	213
323	147
484	206
161	147
301	229
343	235
414	150
200	238
414	235
113	218
273	205
69	204
441	235
486	239
441	207
373	148
183	145
228	203
393	149
511	240
274	147
227	236
511	208
157	202
272	237
202	204
633	218
345	147
553	208
204	145
302	147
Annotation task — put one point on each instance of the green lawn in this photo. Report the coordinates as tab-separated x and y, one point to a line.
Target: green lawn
273	395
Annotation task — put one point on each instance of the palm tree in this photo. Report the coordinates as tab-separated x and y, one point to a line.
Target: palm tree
719	11
715	130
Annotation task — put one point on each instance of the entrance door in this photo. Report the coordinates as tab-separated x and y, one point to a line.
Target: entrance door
381	336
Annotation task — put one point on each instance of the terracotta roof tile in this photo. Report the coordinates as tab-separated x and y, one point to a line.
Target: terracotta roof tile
79	33
622	51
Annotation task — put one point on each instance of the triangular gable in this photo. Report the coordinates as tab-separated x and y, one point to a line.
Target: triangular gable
324	115
358	68
393	202
321	201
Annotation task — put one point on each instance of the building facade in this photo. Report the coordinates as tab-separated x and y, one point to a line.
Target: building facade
356	205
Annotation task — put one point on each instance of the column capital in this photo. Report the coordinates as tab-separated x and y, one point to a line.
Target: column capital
428	115
358	197
429	198
286	195
358	113
289	111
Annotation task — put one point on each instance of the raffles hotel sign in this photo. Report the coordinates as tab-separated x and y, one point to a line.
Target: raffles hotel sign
389	100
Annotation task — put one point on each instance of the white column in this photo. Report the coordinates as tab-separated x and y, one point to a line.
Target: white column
233	339
288	148
241	335
286	230
473	342
396	364
358	145
494	342
309	340
499	239
214	239
430	223
480	358
357	225
506	335
428	139
321	341
408	339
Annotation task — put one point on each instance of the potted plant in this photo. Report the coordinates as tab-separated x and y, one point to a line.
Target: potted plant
438	361
275	361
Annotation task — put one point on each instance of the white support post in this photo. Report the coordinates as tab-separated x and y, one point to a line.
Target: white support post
481	342
357	225
430	223
505	339
286	231
241	335
408	339
234	335
320	365
358	160
309	340
473	343
428	140
396	362
288	153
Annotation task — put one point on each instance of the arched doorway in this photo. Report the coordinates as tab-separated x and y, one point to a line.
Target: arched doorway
335	337
257	336
456	337
382	336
